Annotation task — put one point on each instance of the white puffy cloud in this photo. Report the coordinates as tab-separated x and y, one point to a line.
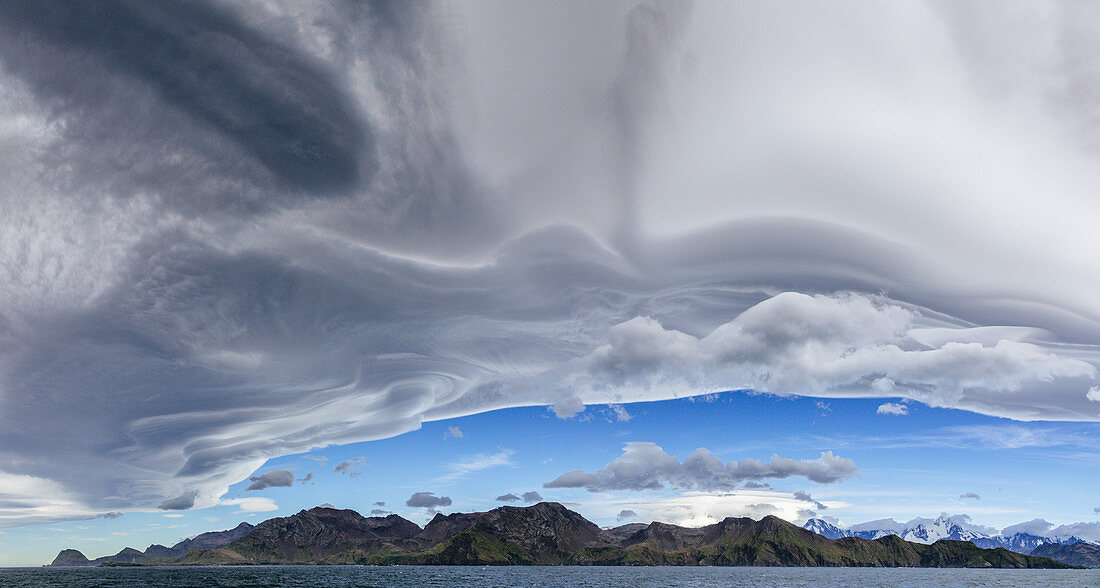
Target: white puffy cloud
645	466
846	345
892	408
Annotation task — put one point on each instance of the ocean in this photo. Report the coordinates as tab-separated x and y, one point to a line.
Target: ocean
527	576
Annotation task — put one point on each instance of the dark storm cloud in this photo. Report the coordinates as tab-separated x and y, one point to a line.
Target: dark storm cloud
181	297
285	111
272	479
427	500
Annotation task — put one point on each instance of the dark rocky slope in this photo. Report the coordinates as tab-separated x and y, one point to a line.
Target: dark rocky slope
1078	554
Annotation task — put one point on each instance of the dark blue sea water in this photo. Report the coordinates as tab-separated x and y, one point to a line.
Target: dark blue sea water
571	577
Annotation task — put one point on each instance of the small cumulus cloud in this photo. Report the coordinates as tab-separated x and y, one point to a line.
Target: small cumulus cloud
350	467
427	500
969	496
316	458
379	512
379	503
182	502
1093	394
755	485
532	496
1096	510
308	477
252	504
326	505
109	515
453	432
626	515
646	466
272	479
507	498
620	413
892	408
805	497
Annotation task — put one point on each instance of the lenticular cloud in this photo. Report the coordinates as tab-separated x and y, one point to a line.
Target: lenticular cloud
363	216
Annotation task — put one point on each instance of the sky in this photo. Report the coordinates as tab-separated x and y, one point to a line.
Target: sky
654	260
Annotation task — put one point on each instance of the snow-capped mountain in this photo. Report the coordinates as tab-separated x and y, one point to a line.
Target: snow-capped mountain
925	531
941	528
1020	542
826	529
929	531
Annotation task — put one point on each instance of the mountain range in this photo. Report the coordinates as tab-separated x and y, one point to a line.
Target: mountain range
156	553
548	533
929	531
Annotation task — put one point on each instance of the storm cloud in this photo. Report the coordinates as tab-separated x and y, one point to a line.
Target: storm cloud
427	500
645	466
273	479
230	232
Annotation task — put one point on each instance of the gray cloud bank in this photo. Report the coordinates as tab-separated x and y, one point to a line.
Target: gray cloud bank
645	466
279	230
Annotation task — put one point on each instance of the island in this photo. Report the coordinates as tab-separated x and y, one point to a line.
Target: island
548	533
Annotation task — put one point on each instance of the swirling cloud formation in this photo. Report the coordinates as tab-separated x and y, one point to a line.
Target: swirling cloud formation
236	230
